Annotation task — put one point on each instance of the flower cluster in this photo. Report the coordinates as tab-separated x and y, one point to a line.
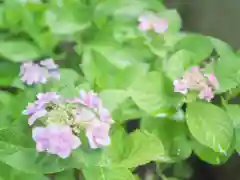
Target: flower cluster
150	21
34	73
61	120
196	80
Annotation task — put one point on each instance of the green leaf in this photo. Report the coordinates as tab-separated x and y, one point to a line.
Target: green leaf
8	173
173	18
153	92
112	98
222	48
210	125
210	156
67	20
88	65
99	173
237	138
199	45
233	111
119	57
135	149
173	135
69	175
66	85
182	170
125	9
178	63
106	75
8	72
47	42
19	51
227	71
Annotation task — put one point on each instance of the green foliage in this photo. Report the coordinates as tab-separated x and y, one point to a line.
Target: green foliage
153	92
99	173
173	136
210	125
19	51
98	46
138	148
199	45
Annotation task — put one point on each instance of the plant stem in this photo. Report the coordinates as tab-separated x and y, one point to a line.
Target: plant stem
159	172
79	175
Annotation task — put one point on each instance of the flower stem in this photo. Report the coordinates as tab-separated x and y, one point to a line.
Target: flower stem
160	173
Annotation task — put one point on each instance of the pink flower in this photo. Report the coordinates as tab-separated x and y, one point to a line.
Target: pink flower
49	64
195	68
105	115
52	68
34	73
151	21
90	99
160	26
180	86
98	135
213	80
38	114
144	23
55	139
37	109
206	93
45	98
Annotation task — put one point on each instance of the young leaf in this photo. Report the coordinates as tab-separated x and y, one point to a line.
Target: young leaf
210	125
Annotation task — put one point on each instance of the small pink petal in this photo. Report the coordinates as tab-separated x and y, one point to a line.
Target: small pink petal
212	78
144	26
97	135
206	94
160	25
180	86
195	68
36	115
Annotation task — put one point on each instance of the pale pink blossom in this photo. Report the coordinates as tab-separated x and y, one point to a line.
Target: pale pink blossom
98	135
39	73
49	64
195	80
213	80
160	25
206	93
180	86
144	23
33	74
37	109
55	139
38	114
150	21
89	99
